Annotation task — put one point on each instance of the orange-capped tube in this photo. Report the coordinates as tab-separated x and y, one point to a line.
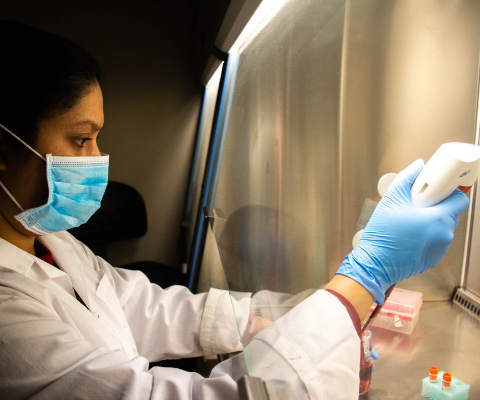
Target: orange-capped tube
433	374
447	381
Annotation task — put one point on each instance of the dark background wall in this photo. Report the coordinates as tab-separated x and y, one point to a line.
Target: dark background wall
151	54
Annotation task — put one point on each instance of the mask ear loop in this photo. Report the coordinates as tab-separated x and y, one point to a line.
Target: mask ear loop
32	149
10	195
25	144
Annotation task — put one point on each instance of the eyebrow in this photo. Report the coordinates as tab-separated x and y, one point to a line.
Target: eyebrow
89	122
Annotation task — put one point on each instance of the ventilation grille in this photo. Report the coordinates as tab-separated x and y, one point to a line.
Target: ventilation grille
468	301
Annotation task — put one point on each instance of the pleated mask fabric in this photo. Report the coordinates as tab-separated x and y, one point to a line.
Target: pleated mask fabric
76	186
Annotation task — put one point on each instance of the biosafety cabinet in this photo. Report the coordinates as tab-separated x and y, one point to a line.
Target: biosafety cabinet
307	104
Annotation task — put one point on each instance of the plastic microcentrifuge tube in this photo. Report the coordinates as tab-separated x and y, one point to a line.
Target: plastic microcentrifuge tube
433	374
447	381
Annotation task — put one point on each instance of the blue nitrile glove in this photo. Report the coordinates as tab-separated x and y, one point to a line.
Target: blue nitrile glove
402	240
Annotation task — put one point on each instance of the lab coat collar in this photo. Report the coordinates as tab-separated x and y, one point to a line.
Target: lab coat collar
15	258
20	261
67	259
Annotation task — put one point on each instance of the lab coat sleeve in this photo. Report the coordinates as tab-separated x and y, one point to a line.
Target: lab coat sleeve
42	357
314	348
174	323
311	352
272	305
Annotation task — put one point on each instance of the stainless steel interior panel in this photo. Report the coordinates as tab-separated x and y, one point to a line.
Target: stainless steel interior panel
406	359
473	276
410	84
329	96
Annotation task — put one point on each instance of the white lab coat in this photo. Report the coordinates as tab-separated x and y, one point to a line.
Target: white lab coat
51	346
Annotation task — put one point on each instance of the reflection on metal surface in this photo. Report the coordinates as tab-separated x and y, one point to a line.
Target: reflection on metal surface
276	177
253	250
324	106
264	13
411	85
406	359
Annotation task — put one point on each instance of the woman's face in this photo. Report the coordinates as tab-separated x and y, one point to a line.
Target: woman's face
72	134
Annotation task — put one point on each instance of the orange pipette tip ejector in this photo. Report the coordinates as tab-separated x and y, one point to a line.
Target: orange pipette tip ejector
465	189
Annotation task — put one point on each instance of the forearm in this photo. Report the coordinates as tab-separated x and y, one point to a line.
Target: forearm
356	294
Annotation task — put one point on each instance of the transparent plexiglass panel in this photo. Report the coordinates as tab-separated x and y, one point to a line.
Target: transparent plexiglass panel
329	96
279	165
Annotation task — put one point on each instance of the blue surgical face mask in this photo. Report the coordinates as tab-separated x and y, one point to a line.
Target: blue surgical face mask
75	189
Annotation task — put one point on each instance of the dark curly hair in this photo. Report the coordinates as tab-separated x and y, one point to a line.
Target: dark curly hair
42	75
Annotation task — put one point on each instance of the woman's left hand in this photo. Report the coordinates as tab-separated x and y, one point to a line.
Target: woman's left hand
255	325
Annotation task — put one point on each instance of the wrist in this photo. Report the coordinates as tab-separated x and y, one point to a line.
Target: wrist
255	325
354	270
358	296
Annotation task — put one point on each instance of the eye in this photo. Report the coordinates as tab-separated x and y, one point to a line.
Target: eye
80	142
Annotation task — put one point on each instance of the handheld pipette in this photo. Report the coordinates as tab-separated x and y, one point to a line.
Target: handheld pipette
454	165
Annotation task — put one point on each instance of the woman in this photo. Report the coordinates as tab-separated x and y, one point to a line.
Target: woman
72	326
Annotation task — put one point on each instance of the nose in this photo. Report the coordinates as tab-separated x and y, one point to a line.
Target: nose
95	151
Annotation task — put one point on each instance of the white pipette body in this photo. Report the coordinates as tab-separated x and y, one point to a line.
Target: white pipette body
454	165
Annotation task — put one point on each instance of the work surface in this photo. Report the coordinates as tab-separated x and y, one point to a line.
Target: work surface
445	336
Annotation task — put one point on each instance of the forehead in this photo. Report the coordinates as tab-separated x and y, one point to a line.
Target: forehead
89	108
86	115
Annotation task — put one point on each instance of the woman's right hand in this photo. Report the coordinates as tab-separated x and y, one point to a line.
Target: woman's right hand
402	240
